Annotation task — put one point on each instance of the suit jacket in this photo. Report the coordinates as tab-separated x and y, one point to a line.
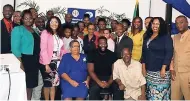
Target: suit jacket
5	39
46	46
125	42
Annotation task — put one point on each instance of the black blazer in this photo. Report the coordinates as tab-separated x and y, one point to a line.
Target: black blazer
5	39
125	42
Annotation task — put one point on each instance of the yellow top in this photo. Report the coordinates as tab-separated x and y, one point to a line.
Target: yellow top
137	44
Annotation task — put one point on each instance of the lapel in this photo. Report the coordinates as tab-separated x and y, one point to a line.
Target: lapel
3	27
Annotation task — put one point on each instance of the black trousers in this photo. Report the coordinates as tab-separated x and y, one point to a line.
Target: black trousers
95	89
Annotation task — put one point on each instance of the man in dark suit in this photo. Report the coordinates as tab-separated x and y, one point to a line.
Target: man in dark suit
122	41
68	21
6	28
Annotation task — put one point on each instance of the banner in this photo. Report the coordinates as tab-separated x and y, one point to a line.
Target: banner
78	14
182	6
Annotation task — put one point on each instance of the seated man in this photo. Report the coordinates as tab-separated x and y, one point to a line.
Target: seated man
128	75
100	69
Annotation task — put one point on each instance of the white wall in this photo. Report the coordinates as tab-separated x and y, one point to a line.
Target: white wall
117	6
2	3
158	7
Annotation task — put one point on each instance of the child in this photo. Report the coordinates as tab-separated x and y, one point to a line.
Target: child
111	43
74	36
67	39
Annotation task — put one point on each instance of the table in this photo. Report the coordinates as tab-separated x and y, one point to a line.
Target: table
18	86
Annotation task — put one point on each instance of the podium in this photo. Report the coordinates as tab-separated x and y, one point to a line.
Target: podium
17	79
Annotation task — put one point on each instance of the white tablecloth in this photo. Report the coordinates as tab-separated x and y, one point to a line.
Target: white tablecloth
18	86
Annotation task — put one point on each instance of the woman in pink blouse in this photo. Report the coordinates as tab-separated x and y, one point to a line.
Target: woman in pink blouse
51	52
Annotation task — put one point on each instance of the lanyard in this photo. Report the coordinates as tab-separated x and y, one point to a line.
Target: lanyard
58	41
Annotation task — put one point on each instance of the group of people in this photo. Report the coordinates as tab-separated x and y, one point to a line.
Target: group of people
86	60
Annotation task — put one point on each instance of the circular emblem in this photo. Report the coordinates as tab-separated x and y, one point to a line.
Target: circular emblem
75	13
90	13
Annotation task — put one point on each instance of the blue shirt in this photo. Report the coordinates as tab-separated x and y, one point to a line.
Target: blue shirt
157	53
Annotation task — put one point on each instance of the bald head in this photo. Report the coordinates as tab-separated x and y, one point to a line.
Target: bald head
181	24
119	30
68	18
126	55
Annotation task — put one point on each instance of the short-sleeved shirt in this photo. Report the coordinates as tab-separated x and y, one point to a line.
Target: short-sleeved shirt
102	62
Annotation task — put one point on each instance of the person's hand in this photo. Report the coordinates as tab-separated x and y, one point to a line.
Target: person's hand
48	69
142	97
144	70
163	73
173	74
74	83
102	84
121	87
86	83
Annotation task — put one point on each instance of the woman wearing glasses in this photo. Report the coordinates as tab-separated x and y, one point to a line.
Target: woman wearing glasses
51	52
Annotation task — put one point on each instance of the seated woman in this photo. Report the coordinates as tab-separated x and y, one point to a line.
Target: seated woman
73	73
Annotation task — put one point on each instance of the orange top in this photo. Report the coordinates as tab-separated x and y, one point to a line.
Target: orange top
9	25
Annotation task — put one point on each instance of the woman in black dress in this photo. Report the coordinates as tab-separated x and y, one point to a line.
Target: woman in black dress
25	45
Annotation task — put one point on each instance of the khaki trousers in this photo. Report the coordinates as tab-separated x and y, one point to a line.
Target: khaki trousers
181	86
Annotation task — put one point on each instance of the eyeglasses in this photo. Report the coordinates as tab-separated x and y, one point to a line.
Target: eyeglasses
103	45
75	46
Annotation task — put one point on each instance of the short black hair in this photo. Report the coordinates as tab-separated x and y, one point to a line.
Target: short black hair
149	18
102	37
50	11
48	28
24	13
126	21
80	22
162	28
182	16
115	21
8	5
101	19
73	41
32	8
75	26
108	30
130	51
90	25
86	16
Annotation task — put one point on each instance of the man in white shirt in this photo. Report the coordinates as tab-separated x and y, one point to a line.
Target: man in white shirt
128	75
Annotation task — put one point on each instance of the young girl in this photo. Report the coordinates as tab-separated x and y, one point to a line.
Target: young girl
74	36
67	39
51	52
111	43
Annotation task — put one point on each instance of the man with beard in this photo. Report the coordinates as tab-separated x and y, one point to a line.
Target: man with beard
40	25
100	69
6	28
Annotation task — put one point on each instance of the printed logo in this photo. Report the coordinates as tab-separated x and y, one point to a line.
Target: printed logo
75	13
